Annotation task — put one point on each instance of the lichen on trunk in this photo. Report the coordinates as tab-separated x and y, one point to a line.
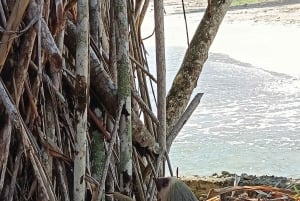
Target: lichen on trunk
186	78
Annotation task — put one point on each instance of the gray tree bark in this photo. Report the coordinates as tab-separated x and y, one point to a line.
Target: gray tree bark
107	90
95	15
97	145
124	94
82	87
161	74
12	25
186	79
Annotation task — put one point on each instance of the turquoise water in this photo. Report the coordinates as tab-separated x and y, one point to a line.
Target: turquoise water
249	118
248	121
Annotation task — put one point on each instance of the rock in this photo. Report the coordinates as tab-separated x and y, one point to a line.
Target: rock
201	185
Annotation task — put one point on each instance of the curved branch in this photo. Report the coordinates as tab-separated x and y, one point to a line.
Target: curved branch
186	79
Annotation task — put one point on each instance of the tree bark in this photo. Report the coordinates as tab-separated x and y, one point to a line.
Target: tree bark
5	136
107	90
124	94
12	25
183	119
47	41
95	15
21	71
97	156
186	79
112	45
161	77
82	87
100	79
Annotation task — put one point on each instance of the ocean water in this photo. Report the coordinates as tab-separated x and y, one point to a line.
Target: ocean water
248	120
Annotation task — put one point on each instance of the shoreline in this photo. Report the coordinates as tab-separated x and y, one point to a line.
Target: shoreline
281	13
284	12
201	185
273	3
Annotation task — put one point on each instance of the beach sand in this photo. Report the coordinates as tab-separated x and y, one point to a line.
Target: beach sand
282	12
279	12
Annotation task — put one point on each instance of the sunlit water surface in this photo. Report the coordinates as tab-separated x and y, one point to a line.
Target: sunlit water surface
249	117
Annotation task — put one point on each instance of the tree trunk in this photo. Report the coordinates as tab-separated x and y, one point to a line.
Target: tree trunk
161	76
82	86
12	25
124	94
100	79
107	90
21	72
186	79
95	15
97	156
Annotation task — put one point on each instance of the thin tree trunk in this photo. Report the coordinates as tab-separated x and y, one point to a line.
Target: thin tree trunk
107	90
82	86
124	94
97	144
12	25
5	136
186	79
21	71
95	14
97	156
183	119
49	109
112	44
161	74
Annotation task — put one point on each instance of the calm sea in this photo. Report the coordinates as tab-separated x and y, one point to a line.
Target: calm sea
248	120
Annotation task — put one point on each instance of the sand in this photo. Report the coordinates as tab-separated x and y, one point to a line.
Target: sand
284	12
274	12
